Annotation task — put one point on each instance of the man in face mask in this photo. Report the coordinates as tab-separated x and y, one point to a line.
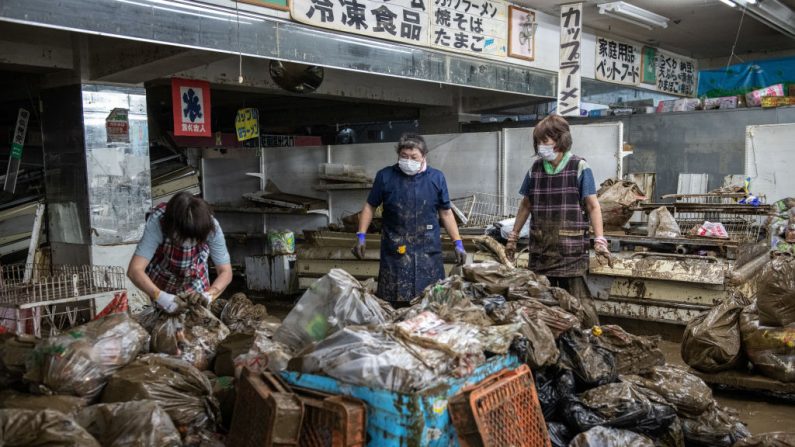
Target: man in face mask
415	200
560	191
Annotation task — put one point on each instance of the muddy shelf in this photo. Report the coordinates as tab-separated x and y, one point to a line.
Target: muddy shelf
751	383
266	210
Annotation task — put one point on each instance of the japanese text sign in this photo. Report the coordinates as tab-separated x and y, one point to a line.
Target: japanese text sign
569	70
399	20
476	27
19	133
247	124
617	61
117	126
675	74
191	107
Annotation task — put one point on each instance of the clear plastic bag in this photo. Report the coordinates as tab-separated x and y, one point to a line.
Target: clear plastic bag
662	224
130	424
610	437
241	315
79	361
770	349
42	428
716	427
68	405
512	283
616	198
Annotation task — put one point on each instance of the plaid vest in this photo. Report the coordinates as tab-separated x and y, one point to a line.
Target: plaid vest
559	226
176	268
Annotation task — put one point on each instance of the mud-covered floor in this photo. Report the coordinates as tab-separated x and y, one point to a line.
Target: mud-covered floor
760	413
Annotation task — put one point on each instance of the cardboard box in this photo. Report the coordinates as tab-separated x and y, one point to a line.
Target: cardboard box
777	101
723	102
686	104
754	98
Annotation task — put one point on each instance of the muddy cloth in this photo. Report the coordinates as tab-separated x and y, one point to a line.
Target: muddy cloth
591	364
559	434
192	335
49	428
372	357
772	439
334	301
241	315
610	437
79	361
775	297
634	354
716	427
770	349
68	405
14	353
686	392
130	424
228	350
711	341
577	287
616	198
512	283
180	389
624	405
662	224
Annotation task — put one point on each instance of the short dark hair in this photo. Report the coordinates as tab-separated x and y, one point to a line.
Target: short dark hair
187	218
555	127
412	141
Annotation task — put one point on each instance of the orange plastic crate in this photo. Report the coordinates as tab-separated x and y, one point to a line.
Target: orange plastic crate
332	420
500	411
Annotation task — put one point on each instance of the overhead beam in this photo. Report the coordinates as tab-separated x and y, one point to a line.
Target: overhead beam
38	55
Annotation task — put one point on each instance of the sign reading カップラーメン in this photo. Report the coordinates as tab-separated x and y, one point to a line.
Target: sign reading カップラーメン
570	59
191	107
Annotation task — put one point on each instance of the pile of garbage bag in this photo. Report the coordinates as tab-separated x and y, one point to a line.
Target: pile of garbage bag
712	340
136	423
776	292
42	427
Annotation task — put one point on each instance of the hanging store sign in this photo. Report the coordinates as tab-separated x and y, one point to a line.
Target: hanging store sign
275	4
117	126
648	70
191	107
399	20
618	62
474	27
675	74
15	160
247	124
569	70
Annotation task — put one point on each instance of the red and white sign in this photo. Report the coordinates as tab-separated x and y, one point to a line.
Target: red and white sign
191	106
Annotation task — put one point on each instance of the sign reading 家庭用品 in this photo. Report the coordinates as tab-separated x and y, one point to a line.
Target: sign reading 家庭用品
190	102
570	59
617	61
475	27
399	20
675	74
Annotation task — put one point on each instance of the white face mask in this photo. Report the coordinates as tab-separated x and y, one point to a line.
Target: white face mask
547	152
409	166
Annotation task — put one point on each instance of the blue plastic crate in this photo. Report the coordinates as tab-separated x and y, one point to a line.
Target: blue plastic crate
406	420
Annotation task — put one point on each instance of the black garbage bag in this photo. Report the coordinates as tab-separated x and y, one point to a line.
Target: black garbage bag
591	364
610	437
547	393
772	439
580	417
674	436
711	342
559	434
624	405
686	392
716	427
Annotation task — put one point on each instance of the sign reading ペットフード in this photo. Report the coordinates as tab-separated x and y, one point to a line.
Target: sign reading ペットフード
475	27
675	74
617	61
400	20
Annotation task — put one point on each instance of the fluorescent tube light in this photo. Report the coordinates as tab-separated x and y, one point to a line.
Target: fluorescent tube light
624	19
728	3
774	14
633	13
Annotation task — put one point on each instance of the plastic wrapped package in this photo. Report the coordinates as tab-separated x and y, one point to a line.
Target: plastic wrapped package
616	198
130	424
591	364
610	437
68	405
79	361
42	428
371	357
686	392
775	297
770	349
512	283
772	439
716	427
334	301
180	389
281	242
241	315
559	434
711	341
634	354
662	224
624	405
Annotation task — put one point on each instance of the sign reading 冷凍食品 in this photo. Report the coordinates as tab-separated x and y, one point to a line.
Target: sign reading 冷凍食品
617	61
474	27
570	59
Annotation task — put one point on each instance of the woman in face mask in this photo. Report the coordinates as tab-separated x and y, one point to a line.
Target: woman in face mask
560	191
415	200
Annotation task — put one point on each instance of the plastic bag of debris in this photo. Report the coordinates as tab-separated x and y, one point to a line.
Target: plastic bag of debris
686	392
241	315
180	389
662	224
512	283
452	300
775	296
591	364
42	428
624	405
711	341
130	424
616	198
264	353
559	434
334	301
634	354
770	349
372	357
228	350
14	353
68	405
430	331
79	361
554	386
674	436
772	439
610	437
536	343
716	427
555	318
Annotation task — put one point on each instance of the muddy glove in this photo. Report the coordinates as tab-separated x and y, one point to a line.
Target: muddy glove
207	298
166	301
510	246
460	253
602	252
358	249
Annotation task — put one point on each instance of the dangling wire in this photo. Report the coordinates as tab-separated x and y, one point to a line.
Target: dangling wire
239	46
736	38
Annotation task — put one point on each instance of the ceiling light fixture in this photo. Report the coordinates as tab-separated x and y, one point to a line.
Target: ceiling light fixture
772	13
624	19
633	14
728	3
